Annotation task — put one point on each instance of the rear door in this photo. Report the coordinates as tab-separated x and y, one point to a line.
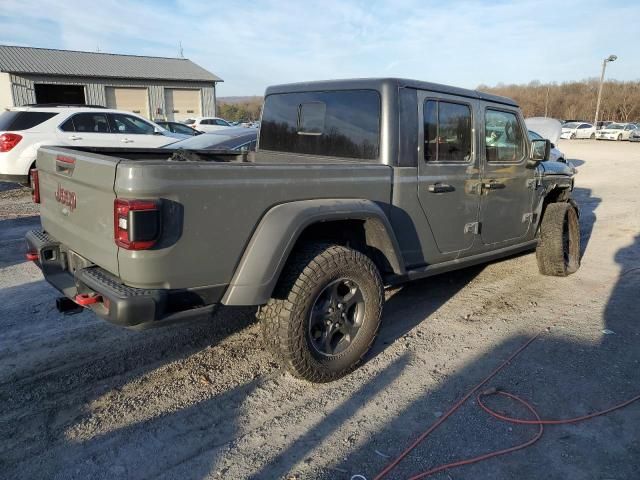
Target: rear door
507	183
76	194
88	129
448	171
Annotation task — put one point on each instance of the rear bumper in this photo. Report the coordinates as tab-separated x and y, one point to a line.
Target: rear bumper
120	304
23	179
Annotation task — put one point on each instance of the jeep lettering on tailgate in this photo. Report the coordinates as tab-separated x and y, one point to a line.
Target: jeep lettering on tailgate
66	197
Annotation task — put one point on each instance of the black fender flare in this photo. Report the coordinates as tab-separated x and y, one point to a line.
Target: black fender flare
266	253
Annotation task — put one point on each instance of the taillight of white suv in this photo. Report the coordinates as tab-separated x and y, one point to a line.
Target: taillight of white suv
8	141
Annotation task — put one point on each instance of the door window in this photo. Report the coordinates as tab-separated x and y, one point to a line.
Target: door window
504	139
447	132
121	123
88	123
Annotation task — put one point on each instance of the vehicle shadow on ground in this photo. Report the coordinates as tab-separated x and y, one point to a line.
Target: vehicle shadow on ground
561	373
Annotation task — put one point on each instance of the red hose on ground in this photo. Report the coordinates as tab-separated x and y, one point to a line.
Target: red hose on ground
538	421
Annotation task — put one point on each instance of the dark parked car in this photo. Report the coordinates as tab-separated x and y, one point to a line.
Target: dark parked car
177	127
228	139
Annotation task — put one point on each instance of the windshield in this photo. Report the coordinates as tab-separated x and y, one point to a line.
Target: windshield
615	126
570	125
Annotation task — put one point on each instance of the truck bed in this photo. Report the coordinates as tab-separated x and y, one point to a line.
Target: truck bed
207	206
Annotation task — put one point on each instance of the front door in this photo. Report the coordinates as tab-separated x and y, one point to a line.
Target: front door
507	183
448	173
134	132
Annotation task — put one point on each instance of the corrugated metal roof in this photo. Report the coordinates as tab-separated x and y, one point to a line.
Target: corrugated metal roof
44	61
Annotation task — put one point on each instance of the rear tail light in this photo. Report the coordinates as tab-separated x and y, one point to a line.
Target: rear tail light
35	185
136	223
8	141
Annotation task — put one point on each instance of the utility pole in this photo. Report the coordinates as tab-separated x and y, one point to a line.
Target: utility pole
180	50
610	58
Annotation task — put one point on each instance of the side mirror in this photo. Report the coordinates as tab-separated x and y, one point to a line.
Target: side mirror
540	151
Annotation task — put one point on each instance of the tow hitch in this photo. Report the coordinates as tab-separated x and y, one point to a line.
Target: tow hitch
67	306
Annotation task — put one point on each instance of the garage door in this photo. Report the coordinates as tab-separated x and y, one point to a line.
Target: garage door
134	100
182	103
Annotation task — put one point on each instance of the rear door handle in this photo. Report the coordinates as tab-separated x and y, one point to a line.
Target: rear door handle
440	188
75	137
493	185
126	140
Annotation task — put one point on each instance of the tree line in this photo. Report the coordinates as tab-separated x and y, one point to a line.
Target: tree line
243	111
575	100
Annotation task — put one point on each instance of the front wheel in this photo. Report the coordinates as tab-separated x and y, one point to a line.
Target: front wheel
619	137
325	313
558	250
593	136
573	136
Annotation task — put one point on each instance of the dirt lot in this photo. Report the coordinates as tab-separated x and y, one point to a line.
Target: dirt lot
83	399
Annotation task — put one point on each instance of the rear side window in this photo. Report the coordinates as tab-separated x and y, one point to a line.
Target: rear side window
23	120
88	122
447	132
333	124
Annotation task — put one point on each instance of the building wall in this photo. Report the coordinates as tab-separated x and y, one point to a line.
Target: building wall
6	97
23	92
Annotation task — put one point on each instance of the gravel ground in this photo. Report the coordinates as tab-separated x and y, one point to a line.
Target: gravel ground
84	399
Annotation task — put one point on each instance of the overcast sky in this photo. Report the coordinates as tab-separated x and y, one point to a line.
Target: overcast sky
255	43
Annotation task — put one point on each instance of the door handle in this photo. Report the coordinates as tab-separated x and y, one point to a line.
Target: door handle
126	140
75	137
440	188
493	185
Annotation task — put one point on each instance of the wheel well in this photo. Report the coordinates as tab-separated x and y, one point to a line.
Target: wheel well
367	236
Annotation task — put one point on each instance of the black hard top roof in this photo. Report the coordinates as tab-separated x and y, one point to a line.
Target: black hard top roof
382	83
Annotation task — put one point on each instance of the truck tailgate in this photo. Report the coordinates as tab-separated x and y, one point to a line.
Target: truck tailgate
76	194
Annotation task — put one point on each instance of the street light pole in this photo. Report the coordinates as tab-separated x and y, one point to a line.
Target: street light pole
610	58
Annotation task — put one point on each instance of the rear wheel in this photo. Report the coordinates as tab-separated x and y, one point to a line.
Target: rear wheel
593	136
558	251
325	313
619	137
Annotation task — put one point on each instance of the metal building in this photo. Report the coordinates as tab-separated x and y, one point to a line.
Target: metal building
154	87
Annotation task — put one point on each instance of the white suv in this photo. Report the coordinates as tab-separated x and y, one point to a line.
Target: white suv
208	124
24	129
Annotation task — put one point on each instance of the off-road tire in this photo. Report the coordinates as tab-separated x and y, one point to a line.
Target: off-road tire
558	251
285	318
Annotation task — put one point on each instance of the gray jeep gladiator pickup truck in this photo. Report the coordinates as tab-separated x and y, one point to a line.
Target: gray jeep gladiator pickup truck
356	185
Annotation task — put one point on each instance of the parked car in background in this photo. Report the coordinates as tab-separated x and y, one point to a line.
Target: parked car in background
207	124
237	138
177	127
634	136
555	154
574	130
25	129
604	124
617	131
